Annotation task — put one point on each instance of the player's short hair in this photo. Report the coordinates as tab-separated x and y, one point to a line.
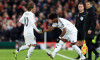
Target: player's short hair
52	16
90	2
30	6
80	3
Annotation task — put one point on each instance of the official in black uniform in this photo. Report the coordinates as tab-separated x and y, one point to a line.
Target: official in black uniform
79	25
89	29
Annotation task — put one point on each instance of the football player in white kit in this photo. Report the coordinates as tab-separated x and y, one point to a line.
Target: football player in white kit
69	33
28	19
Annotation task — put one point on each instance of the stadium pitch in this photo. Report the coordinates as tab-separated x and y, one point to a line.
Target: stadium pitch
7	54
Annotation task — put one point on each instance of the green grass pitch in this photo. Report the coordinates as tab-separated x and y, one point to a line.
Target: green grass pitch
6	54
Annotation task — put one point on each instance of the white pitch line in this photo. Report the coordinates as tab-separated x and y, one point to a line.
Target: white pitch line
61	55
65	56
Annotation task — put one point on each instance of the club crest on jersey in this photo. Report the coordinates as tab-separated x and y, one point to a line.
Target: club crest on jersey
81	18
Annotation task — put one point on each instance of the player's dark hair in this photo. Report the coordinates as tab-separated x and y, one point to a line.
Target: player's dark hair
30	6
52	16
90	2
80	3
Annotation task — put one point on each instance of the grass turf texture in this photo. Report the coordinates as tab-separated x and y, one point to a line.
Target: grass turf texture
7	54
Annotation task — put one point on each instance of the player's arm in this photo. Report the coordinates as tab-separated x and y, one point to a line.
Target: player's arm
63	29
54	25
50	29
63	32
36	29
22	19
34	24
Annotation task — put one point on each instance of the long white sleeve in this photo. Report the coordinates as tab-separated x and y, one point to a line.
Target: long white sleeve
22	19
33	23
34	26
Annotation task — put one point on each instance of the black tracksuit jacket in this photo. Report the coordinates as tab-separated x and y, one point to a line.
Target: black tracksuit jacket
90	22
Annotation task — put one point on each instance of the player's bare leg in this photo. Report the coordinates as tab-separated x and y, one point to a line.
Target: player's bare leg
58	47
79	43
76	48
20	49
30	51
49	54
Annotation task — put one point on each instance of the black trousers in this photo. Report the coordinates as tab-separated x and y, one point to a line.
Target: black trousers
90	48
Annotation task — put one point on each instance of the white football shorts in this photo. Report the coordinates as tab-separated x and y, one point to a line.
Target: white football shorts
72	37
30	39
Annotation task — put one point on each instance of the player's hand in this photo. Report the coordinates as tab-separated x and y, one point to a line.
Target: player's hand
58	39
89	31
45	30
40	32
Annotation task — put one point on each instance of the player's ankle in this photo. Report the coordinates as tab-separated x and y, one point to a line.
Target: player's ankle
54	53
17	50
83	56
27	57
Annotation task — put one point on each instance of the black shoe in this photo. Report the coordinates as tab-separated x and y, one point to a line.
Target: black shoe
96	56
85	55
77	57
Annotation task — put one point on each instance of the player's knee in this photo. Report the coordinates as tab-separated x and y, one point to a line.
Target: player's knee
34	45
64	40
29	45
73	43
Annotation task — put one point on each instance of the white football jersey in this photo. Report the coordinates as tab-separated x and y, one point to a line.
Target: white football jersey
28	19
63	23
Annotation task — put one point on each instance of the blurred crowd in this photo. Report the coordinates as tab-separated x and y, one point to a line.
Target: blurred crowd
12	10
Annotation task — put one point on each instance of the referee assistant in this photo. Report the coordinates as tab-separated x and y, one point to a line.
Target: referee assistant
79	25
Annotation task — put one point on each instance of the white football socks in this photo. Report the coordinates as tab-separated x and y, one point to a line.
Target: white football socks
30	52
58	47
76	48
22	48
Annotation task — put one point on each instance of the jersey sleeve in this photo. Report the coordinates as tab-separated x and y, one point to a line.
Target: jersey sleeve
63	24
22	19
33	22
54	25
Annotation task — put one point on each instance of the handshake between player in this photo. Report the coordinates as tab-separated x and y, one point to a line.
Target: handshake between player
40	32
